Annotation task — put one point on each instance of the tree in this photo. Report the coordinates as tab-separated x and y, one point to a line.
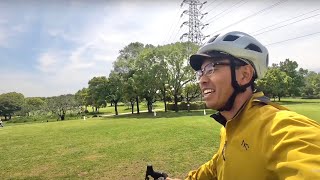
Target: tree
125	67
147	76
33	104
130	92
59	105
190	92
275	83
179	72
10	103
297	82
312	85
115	89
83	98
98	91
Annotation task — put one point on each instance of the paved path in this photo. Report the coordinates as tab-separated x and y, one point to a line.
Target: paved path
109	115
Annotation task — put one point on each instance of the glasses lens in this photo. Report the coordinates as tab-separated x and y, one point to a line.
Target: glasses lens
198	74
208	69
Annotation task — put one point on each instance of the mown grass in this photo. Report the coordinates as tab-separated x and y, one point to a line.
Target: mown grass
107	148
115	147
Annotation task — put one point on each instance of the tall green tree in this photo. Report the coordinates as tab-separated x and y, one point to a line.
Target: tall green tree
11	103
297	76
148	75
124	66
115	89
179	71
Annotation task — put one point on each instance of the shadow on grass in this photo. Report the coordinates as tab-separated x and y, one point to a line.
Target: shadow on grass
162	114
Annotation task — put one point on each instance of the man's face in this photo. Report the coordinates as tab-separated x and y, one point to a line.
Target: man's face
216	88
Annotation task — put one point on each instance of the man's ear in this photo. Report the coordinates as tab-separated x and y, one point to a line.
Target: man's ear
245	74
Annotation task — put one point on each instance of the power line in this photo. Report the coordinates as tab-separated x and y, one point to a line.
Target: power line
285	25
284	21
252	15
209	4
216	6
208	21
293	38
172	26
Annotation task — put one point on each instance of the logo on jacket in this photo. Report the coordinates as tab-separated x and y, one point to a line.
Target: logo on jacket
245	145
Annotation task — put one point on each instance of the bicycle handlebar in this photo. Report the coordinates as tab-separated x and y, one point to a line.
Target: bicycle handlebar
156	175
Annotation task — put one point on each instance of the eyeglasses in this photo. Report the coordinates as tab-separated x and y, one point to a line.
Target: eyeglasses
209	69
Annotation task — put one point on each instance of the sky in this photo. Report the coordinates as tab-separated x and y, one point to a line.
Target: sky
50	48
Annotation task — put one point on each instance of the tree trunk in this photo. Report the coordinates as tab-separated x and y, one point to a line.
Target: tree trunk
279	98
176	103
9	116
62	117
137	100
188	105
164	100
149	104
116	107
5	117
132	106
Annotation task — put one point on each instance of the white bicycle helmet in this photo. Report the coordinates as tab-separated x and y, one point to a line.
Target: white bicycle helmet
237	44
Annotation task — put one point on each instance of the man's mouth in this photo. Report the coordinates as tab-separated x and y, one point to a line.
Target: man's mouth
207	92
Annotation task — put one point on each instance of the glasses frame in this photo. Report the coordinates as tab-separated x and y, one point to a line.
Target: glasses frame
208	72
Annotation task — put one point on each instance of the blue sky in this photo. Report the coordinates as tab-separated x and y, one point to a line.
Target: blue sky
50	48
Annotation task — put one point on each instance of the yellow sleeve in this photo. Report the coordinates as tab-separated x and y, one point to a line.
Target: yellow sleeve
205	172
294	148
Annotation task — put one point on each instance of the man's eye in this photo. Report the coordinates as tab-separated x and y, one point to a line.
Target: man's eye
209	71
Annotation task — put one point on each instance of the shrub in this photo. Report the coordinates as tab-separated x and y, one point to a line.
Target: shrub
184	106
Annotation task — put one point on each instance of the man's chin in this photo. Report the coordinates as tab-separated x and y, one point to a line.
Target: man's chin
212	106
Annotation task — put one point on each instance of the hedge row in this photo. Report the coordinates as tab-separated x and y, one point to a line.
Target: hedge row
184	106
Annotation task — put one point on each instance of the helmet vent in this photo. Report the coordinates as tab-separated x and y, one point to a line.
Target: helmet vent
213	38
230	38
254	47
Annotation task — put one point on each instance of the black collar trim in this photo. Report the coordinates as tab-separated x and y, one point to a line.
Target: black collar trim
219	118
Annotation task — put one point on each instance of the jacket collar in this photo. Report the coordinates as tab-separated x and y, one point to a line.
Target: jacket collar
257	97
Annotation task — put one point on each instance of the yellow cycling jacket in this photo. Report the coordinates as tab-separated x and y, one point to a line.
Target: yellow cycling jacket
264	141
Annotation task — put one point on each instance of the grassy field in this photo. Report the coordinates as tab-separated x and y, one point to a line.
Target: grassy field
115	147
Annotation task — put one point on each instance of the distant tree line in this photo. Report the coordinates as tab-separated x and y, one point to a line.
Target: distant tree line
16	104
146	73
287	80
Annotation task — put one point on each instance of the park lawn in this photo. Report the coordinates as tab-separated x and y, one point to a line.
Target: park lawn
108	148
311	110
307	107
116	147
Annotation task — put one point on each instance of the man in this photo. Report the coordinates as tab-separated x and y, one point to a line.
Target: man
259	139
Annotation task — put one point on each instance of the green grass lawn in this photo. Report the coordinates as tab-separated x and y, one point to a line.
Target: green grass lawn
110	148
115	147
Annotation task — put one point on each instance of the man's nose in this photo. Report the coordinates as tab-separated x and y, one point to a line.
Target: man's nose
203	79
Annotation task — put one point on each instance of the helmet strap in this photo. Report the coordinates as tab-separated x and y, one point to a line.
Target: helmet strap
237	89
